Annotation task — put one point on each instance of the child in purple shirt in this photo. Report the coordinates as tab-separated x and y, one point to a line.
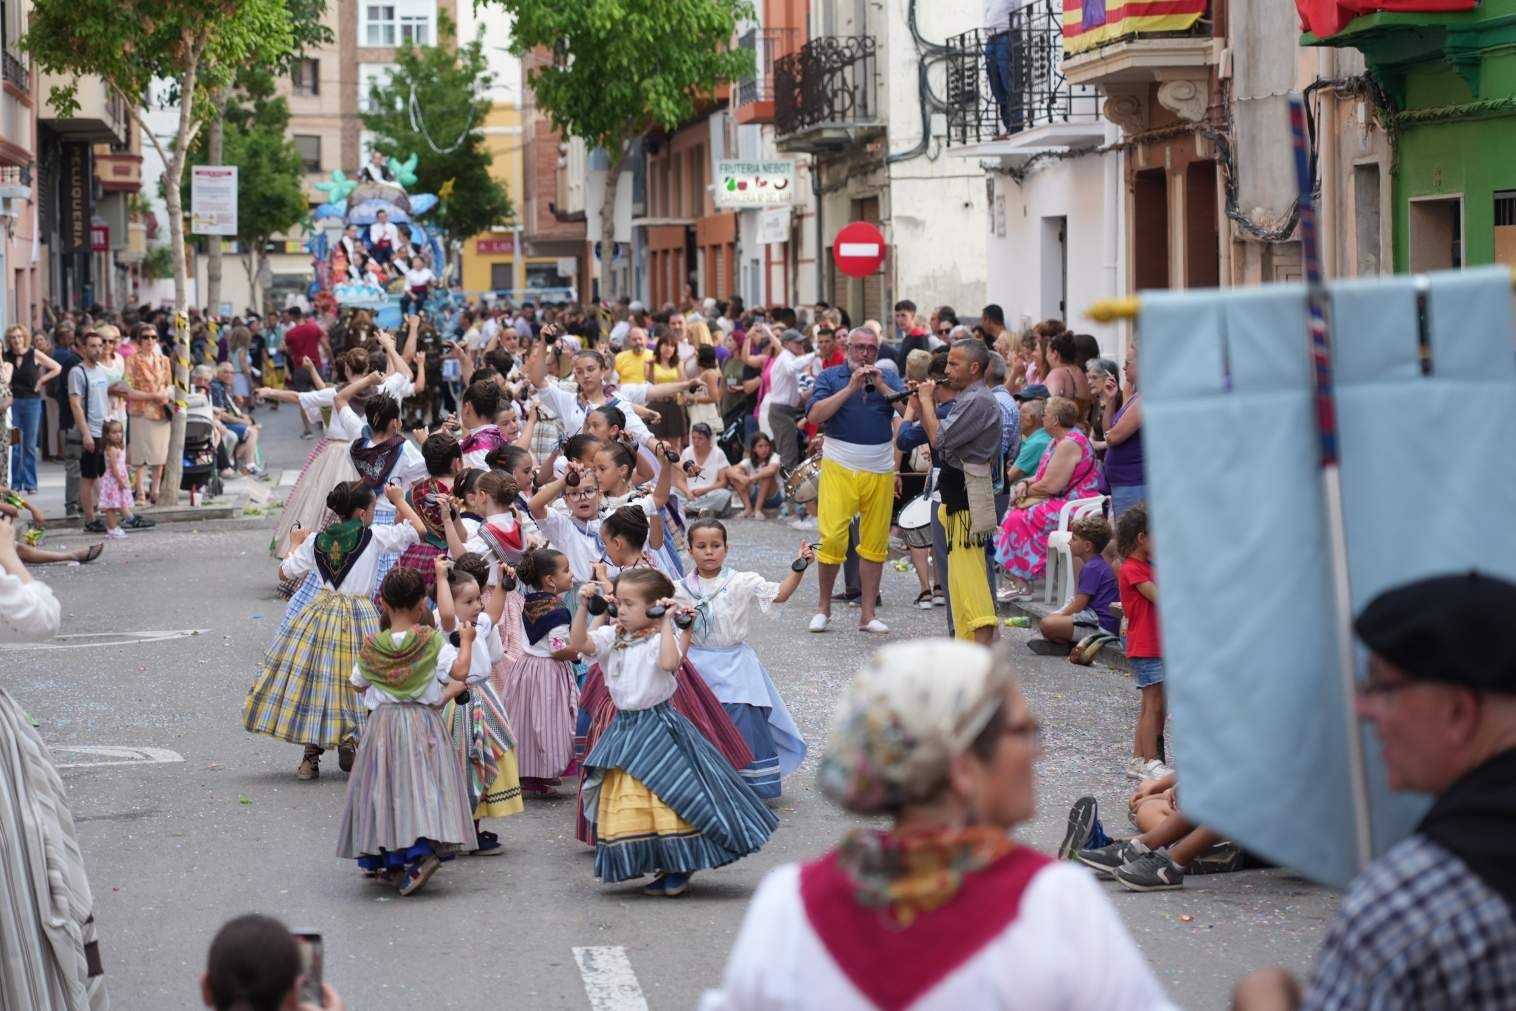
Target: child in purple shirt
1090	610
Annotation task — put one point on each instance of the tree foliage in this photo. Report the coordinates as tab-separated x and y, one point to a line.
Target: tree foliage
444	127
622	67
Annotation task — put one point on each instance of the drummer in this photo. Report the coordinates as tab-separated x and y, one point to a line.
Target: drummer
857	472
911	435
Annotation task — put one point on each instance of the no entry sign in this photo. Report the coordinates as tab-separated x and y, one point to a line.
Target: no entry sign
858	249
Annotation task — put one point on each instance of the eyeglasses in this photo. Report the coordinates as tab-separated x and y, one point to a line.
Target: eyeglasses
866	349
581	493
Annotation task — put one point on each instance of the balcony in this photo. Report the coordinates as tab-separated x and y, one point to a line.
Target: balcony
101	117
825	93
118	172
1115	46
755	96
1041	111
15	71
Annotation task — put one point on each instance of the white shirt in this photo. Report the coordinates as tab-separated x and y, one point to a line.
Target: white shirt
489	329
779	962
997	15
385	537
784	382
346	425
374	697
380	231
729	605
476	543
418	277
396	385
484	654
619	332
557	638
632	675
579	540
571	411
28	611
715	463
410	468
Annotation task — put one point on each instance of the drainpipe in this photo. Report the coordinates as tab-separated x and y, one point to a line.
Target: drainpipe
820	231
1327	158
1115	208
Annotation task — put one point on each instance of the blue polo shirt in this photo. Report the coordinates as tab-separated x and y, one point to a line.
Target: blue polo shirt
861	435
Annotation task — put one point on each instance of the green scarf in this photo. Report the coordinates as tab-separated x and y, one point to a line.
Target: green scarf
400	665
337	546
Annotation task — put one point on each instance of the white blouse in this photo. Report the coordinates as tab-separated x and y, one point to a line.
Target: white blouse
485	652
632	675
571	411
374	697
312	402
579	542
28	611
410	468
556	639
779	961
386	537
729	603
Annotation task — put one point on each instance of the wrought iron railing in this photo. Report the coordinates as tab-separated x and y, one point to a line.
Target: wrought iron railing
15	70
767	45
999	84
830	81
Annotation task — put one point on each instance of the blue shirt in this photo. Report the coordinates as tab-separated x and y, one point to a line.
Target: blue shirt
864	419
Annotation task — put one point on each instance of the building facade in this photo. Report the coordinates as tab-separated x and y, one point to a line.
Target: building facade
22	270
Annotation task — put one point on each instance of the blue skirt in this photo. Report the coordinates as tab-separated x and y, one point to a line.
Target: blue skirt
720	818
737	678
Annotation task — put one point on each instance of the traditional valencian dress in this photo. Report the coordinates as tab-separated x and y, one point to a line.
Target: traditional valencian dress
541	693
328	466
426	498
659	796
719	651
407	798
302	695
965	919
481	728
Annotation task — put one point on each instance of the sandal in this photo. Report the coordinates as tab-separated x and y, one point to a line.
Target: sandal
91	553
924	600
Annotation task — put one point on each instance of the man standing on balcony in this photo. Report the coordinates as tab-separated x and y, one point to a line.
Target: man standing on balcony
1000	58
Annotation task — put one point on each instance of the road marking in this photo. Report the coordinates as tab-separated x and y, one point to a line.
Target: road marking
79	640
116	755
858	249
609	981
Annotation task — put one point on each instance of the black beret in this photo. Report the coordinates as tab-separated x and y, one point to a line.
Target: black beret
1447	628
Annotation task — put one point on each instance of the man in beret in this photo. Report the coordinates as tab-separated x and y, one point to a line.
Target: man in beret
1432	923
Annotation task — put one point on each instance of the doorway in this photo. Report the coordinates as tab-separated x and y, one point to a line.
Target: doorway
1436	233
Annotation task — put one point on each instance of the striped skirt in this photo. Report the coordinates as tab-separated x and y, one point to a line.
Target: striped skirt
692	698
407	785
540	695
384	515
512	640
662	798
304	694
422	557
483	741
306	503
737	677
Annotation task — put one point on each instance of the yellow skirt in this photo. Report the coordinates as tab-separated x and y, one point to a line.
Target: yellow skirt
503	798
628	811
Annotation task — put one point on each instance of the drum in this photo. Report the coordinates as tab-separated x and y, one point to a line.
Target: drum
915	522
803	486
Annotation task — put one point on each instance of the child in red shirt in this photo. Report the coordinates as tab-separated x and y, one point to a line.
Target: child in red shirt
1139	601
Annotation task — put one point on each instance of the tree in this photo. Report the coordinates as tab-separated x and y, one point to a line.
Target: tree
623	67
198	46
433	106
270	185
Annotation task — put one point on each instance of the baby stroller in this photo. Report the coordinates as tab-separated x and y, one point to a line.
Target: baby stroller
200	469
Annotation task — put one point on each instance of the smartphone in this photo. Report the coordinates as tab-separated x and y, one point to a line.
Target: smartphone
309	943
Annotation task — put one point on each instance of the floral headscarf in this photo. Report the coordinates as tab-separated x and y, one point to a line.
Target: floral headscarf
905	717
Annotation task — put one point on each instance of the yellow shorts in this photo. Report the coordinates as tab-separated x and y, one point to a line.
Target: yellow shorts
847	493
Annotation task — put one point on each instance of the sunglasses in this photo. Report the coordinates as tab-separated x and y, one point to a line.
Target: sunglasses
943	331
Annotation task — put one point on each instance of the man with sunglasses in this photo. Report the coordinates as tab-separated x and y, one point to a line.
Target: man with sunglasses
1432	923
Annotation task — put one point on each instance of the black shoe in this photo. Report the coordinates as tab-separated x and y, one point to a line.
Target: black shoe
847	597
95	526
140	522
345	752
1081	821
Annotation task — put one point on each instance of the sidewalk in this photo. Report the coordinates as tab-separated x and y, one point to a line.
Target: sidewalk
238	494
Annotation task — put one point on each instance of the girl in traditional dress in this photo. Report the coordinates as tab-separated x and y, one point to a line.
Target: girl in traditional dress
615	469
540	688
386	457
407	802
302	696
661	799
431	498
501	538
723	601
480	728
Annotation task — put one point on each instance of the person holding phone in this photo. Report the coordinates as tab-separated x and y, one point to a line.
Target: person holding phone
256	964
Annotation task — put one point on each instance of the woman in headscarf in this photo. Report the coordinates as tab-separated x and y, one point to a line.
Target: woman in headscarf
944	909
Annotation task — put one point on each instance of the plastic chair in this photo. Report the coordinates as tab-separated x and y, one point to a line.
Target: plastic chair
1060	567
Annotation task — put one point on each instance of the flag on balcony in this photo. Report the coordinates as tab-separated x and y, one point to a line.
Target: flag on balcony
1091	23
1325	18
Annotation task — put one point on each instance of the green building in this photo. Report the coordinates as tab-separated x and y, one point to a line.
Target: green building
1450	82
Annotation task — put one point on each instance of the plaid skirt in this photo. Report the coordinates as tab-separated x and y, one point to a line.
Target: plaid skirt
407	785
384	515
305	591
304	694
422	557
662	798
483	740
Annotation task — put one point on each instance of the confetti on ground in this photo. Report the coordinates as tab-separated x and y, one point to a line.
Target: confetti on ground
243	798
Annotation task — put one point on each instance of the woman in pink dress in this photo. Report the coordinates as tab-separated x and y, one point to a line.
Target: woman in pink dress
1068	471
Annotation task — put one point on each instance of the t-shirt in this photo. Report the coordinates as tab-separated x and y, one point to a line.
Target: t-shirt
861	435
715	462
419	277
1032	449
631	366
1141	613
58	388
91	384
302	342
1098	582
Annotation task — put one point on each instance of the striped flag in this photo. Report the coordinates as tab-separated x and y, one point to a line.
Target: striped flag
1091	23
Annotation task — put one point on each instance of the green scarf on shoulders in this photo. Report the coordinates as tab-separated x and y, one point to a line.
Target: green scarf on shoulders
400	665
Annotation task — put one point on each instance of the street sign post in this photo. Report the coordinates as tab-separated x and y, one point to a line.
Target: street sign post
858	249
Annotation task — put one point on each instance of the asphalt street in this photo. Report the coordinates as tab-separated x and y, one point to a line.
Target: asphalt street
176	847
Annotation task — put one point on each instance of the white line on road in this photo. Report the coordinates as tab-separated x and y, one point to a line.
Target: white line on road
609	981
114	755
79	640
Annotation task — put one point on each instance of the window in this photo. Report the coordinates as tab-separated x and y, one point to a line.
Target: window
1436	234
309	146
370	76
416	30
379	24
503	275
305	77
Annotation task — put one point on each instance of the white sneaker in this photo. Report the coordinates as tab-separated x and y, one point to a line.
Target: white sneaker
820	621
875	627
804	523
116	534
1141	768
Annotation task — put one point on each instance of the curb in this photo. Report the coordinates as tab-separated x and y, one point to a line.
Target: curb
164	514
1111	654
